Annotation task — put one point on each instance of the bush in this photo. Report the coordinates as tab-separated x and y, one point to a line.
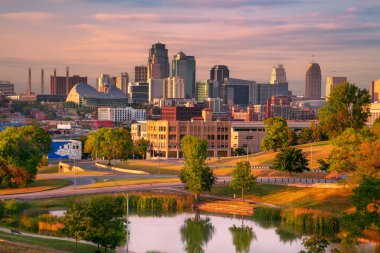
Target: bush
12	206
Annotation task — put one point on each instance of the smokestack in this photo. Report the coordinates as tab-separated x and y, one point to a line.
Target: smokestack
30	82
42	81
67	80
268	112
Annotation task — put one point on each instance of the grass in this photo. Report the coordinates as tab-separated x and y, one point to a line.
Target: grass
37	186
330	200
150	166
129	181
20	243
53	168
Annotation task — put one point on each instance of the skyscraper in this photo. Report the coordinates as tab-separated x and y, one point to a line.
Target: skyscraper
140	73
219	72
104	81
122	81
313	81
61	85
158	62
331	82
204	90
278	75
183	66
374	90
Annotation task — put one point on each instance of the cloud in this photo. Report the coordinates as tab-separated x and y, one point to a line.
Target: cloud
27	16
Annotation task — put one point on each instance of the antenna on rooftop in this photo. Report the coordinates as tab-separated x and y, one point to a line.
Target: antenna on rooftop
313	61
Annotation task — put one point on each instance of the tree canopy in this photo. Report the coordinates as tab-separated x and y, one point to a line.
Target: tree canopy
21	151
195	174
109	143
277	132
196	233
242	177
292	160
347	107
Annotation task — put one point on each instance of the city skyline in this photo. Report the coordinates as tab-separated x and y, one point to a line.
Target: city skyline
95	36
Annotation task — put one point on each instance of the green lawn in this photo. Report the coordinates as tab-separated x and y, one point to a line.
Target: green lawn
32	244
330	200
129	181
53	168
149	166
37	186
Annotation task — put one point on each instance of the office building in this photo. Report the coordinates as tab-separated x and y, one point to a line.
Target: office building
331	82
158	62
125	115
155	89
374	90
184	66
104	81
174	87
84	95
165	136
61	85
181	113
138	92
121	82
140	73
7	88
161	102
374	110
313	81
138	130
278	75
219	72
204	89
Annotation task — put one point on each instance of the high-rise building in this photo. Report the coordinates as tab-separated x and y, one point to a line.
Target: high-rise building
205	89
156	89
61	85
374	90
7	88
138	92
158	62
331	82
122	81
183	66
278	75
174	87
219	72
313	81
140	73
104	81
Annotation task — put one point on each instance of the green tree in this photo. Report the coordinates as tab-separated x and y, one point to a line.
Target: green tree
292	160
196	176
242	238
347	107
38	136
75	221
141	147
316	244
276	137
109	143
242	177
305	135
292	137
240	151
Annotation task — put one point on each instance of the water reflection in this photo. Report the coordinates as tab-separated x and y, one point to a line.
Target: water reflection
196	233
242	238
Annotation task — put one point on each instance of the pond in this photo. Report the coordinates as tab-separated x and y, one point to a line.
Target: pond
188	232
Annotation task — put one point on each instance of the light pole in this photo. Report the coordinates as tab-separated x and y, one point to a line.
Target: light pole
75	175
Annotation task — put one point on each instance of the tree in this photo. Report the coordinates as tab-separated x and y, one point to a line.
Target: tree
109	143
316	244
292	160
242	177
239	151
195	174
347	107
305	135
141	147
75	220
242	238
292	137
276	137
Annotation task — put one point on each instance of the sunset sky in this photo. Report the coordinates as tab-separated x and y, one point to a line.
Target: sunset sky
111	36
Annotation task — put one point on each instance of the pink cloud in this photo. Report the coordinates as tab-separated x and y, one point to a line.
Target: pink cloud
27	16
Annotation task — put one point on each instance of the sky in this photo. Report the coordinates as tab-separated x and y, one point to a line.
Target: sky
249	36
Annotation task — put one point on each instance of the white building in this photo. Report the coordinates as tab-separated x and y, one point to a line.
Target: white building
120	114
278	75
331	82
122	82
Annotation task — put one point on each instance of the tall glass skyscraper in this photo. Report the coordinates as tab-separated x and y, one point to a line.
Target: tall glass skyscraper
313	81
183	66
158	62
219	72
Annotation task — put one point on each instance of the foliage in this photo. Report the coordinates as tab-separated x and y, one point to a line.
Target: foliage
12	206
305	135
140	147
75	220
195	174
323	165
52	115
347	107
196	233
292	160
109	143
316	244
242	177
239	151
292	137
366	199
276	137
242	238
21	150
